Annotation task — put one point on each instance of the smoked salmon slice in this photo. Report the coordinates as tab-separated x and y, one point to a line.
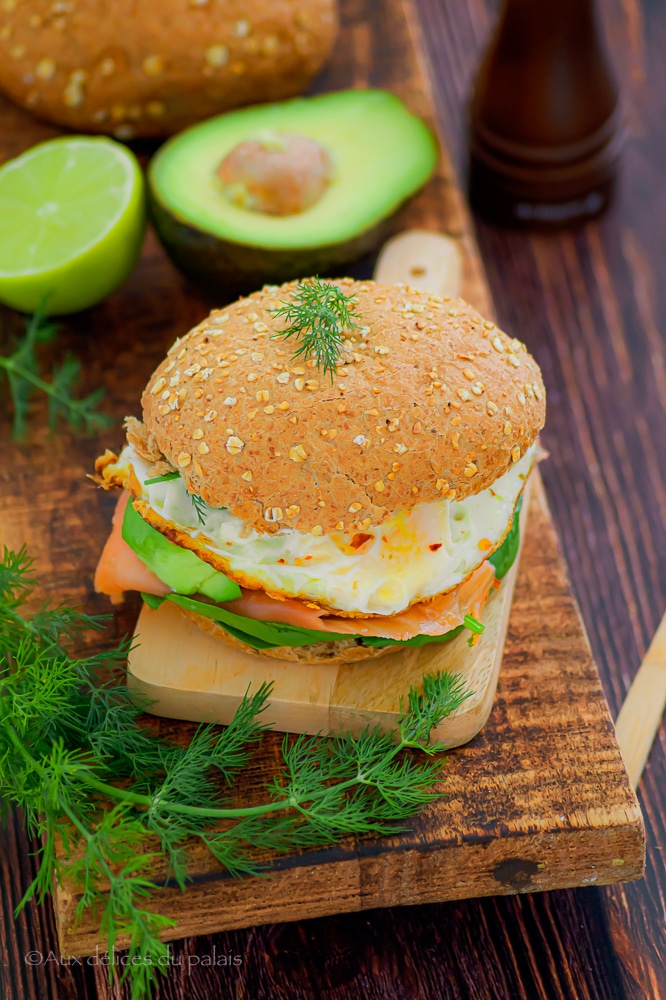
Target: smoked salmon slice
434	617
120	569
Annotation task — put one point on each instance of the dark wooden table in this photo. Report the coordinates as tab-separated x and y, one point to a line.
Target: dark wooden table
592	307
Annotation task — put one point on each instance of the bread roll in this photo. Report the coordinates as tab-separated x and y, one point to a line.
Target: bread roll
138	68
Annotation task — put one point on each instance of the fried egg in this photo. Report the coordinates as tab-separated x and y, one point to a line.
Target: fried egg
413	555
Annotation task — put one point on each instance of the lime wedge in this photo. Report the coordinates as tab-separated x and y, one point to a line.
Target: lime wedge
72	221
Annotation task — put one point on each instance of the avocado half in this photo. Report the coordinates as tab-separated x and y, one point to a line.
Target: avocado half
381	155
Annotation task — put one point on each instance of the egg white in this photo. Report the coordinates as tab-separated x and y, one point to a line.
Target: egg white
413	555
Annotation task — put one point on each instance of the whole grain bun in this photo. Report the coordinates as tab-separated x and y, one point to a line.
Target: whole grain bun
342	651
431	402
136	68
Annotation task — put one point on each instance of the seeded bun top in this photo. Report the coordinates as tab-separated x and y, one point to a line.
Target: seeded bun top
430	401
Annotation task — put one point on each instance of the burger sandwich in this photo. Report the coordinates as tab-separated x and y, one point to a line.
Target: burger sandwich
327	471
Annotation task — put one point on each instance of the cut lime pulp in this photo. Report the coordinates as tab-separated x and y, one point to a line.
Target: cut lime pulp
72	222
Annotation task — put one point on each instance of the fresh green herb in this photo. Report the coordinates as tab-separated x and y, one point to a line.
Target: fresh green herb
22	371
318	315
473	624
475	627
166	478
200	506
97	787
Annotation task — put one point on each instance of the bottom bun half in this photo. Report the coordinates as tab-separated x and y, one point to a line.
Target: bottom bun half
340	651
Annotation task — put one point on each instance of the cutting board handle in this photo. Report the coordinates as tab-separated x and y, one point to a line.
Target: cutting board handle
427	261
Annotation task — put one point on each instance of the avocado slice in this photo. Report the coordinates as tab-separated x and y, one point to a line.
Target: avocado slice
180	569
381	154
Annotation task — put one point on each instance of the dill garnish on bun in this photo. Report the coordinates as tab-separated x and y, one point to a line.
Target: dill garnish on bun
326	470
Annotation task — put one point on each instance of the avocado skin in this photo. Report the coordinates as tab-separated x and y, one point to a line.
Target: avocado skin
237	268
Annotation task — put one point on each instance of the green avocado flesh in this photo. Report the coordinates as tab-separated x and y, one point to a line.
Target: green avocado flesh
180	569
381	155
258	634
504	557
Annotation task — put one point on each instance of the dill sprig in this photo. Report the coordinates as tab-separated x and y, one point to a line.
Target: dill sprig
107	799
475	627
22	371
318	314
200	506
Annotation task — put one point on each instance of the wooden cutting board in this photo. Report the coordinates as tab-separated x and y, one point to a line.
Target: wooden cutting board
540	799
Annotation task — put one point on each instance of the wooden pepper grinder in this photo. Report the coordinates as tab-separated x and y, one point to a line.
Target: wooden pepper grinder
545	124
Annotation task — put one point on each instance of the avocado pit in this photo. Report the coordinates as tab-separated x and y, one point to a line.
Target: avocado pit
276	173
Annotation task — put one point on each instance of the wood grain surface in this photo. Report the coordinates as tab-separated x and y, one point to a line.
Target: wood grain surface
592	307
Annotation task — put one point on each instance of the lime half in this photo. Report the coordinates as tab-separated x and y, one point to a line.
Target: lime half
72	221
